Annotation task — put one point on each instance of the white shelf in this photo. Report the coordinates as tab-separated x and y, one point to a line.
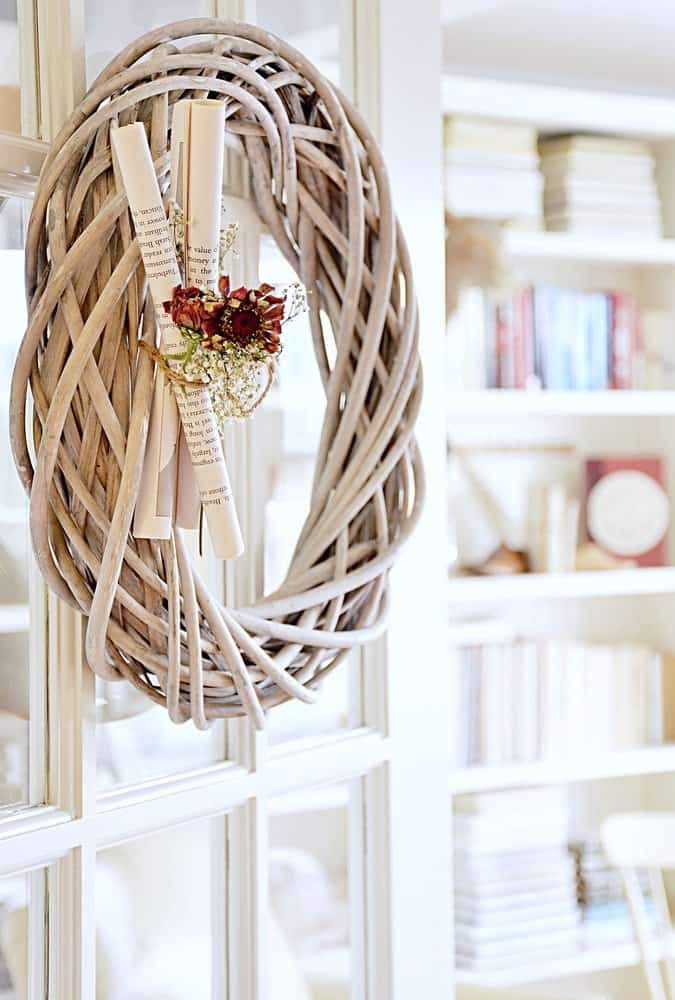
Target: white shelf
541	402
601	249
560	586
583	962
620	764
559	109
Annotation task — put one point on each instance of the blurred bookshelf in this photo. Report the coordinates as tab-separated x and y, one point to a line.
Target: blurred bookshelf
631	603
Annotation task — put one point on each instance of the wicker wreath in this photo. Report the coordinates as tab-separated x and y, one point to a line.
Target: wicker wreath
321	189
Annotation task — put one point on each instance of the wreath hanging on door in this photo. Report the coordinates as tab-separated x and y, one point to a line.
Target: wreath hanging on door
321	189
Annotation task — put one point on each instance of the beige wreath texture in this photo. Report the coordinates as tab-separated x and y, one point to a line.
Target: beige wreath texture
321	189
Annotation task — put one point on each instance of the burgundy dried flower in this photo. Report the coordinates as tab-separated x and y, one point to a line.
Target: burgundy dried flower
184	307
243	316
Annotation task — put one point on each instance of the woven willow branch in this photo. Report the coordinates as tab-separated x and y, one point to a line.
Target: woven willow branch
321	189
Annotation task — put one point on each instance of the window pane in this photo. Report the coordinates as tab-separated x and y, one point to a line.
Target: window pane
111	26
315	898
330	713
22	897
312	26
154	916
136	740
290	421
15	566
295	409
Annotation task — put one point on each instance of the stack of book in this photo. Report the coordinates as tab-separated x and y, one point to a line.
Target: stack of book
606	920
515	893
596	184
557	338
492	171
556	698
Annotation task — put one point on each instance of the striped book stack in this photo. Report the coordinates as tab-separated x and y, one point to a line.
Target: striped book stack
599	184
515	889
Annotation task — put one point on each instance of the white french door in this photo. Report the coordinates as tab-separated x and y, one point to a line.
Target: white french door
144	861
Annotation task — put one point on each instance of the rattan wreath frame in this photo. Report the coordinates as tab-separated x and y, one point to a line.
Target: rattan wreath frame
321	189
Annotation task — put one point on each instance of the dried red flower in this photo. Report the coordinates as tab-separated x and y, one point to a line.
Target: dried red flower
243	316
184	307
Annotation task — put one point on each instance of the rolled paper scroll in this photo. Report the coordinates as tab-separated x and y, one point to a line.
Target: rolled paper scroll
153	517
199	126
188	501
138	176
157	495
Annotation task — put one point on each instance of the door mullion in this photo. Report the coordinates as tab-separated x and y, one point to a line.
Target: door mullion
357	894
72	909
59	40
377	876
406	796
38	926
28	69
38	644
60	59
219	910
240	10
247	866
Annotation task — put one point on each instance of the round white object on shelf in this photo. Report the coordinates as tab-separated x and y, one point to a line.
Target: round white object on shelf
628	512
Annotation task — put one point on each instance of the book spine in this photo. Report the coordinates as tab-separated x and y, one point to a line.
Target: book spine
524	340
576	338
655	712
598	334
623	339
542	329
491	345
505	357
475	332
517	341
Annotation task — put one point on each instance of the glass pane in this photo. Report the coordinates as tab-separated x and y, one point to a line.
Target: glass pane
14	547
312	26
15	929
330	713
154	916
111	26
10	94
136	740
315	902
290	421
296	407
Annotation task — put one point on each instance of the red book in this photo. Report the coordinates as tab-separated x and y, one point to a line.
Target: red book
523	361
625	340
527	320
517	342
627	507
